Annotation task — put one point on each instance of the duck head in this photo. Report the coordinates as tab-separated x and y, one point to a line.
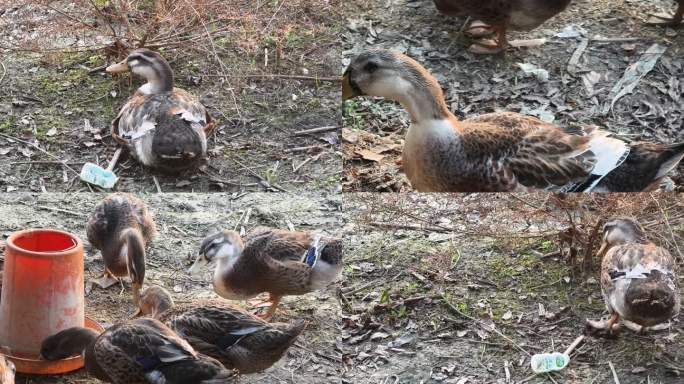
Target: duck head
154	301
395	76
223	246
620	231
150	65
67	343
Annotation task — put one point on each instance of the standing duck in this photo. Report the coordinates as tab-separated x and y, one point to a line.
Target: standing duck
121	227
236	338
637	279
504	151
501	15
7	370
136	352
270	260
162	126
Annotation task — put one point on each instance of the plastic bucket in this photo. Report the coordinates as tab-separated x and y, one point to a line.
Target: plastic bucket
42	289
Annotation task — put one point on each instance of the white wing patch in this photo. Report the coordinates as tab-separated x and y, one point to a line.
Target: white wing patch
610	153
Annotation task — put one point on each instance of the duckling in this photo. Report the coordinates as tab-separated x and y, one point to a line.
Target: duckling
270	260
637	279
504	151
7	370
162	126
136	352
500	15
236	338
121	227
676	20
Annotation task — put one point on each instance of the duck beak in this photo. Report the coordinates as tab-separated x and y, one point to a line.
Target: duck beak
348	91
602	250
117	68
199	264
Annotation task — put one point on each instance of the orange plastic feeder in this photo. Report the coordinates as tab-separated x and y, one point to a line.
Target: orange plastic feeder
42	294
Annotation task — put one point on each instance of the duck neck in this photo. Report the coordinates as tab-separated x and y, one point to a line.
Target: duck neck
159	79
423	99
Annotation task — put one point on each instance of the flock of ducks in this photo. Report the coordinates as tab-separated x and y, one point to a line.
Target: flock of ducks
204	341
503	151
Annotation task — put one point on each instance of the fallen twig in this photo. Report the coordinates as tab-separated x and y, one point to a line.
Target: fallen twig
317	130
615	376
63	162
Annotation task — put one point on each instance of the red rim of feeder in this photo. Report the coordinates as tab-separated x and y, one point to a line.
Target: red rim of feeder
35	366
10	243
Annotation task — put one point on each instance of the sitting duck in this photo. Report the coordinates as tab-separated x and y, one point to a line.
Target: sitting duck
136	352
163	127
121	227
7	370
637	279
498	16
503	151
236	338
269	260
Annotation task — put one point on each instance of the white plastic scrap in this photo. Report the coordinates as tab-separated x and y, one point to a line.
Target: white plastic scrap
634	73
531	69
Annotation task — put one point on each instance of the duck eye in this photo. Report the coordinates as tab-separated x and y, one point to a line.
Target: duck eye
370	67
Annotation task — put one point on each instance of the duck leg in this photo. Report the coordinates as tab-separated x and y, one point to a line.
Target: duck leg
479	28
641	329
610	325
274	301
489	46
107	280
613	323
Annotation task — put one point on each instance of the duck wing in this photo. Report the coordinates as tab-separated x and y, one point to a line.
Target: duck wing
214	327
278	244
513	149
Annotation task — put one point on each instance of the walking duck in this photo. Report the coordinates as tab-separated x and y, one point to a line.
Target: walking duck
121	227
270	260
163	127
136	352
501	15
637	279
236	338
504	151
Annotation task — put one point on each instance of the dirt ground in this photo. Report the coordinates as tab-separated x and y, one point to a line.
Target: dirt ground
476	84
54	94
451	289
183	220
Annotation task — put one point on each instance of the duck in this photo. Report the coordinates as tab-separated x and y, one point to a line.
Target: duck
121	227
501	151
135	352
676	20
276	261
497	16
637	279
233	336
7	370
162	126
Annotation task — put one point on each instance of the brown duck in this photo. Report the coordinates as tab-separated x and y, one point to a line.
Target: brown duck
637	279
504	151
236	338
501	15
121	227
270	260
162	126
136	352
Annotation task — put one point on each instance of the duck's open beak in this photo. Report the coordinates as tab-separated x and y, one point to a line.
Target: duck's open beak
118	68
348	92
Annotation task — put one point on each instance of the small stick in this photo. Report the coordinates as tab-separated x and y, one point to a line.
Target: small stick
302	149
615	376
508	372
415	227
275	76
327	128
40	149
574	344
156	184
60	210
115	159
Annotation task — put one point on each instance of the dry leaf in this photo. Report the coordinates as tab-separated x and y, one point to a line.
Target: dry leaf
369	155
